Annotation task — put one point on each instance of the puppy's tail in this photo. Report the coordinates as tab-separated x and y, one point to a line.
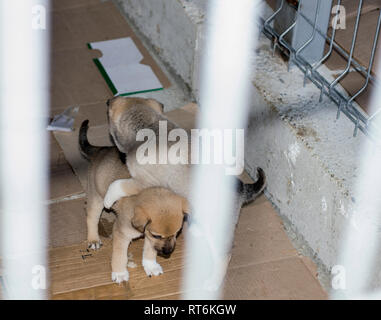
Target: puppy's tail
86	149
249	191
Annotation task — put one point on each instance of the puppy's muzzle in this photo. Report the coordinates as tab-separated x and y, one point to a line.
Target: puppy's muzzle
165	252
164	255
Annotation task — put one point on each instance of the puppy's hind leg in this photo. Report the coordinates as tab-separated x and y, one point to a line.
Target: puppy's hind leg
94	210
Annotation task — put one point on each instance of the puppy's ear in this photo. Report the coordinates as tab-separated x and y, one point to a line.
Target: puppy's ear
156	105
140	219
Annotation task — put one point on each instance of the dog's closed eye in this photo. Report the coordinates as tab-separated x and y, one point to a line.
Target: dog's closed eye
156	236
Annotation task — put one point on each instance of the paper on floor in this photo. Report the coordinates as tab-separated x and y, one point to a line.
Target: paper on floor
64	121
120	66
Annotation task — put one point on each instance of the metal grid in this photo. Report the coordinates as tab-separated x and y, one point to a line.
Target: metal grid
344	102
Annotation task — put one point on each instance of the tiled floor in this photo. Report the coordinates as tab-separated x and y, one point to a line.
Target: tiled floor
264	264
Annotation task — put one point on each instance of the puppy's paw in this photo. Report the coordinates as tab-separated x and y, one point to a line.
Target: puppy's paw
114	192
94	244
152	268
119	277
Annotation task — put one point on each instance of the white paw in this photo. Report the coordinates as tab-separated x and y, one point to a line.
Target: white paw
152	268
114	192
131	264
119	277
94	244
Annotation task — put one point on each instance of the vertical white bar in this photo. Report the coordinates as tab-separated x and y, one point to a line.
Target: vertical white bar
361	242
225	80
24	65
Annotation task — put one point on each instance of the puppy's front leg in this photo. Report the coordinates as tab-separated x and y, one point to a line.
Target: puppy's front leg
119	259
151	267
121	188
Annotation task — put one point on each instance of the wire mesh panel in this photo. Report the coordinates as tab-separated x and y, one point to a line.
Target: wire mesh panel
296	27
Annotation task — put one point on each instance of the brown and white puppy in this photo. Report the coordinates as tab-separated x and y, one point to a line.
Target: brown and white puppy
155	213
107	164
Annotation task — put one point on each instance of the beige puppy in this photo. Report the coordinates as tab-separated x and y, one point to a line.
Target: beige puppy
155	213
127	116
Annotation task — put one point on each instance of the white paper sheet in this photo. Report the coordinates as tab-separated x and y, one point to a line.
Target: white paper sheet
121	61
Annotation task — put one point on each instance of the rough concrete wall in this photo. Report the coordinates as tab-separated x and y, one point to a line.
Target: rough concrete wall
297	183
162	21
311	160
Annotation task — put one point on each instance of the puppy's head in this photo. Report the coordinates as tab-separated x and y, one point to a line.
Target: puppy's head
159	213
118	105
126	116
